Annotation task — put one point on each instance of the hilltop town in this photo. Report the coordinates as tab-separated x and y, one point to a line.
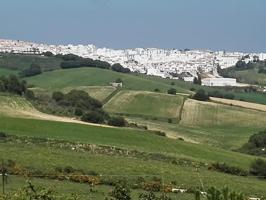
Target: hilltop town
152	61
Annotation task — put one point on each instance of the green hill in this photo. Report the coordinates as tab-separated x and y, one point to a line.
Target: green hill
95	77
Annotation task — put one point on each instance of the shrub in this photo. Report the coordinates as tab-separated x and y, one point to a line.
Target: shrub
2	135
223	167
256	144
229	96
29	95
118	80
93	117
258	168
57	96
201	96
171	91
156	90
121	191
78	112
117	121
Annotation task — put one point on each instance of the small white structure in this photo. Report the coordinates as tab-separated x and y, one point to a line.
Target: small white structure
219	82
114	84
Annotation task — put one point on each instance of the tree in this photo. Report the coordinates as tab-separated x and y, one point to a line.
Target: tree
172	91
119	68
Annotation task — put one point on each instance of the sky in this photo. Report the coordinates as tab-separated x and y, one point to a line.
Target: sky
231	25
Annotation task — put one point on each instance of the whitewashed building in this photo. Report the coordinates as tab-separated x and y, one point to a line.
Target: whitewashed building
219	82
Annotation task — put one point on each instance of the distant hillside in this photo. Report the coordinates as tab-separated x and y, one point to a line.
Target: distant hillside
60	79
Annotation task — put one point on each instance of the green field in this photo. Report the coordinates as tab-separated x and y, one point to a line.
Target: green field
147	104
94	77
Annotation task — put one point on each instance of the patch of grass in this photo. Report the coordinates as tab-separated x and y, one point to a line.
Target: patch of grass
148	104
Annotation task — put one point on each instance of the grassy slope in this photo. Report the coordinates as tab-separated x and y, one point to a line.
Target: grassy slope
126	138
229	125
94	77
146	104
121	167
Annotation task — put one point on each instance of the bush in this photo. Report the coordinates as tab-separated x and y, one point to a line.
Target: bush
258	168
223	167
118	80
256	144
93	117
201	96
172	91
229	96
121	191
57	96
156	90
2	135
12	84
78	112
117	121
29	95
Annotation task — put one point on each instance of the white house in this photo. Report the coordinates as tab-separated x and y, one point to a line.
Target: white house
220	82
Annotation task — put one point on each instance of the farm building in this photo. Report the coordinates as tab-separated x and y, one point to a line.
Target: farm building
219	82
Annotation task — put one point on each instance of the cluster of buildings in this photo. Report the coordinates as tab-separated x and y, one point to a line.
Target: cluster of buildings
152	61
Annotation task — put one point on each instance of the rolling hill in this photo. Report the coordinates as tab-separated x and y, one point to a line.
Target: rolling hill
95	77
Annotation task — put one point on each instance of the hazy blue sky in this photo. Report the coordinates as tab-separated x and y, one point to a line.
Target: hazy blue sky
195	24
